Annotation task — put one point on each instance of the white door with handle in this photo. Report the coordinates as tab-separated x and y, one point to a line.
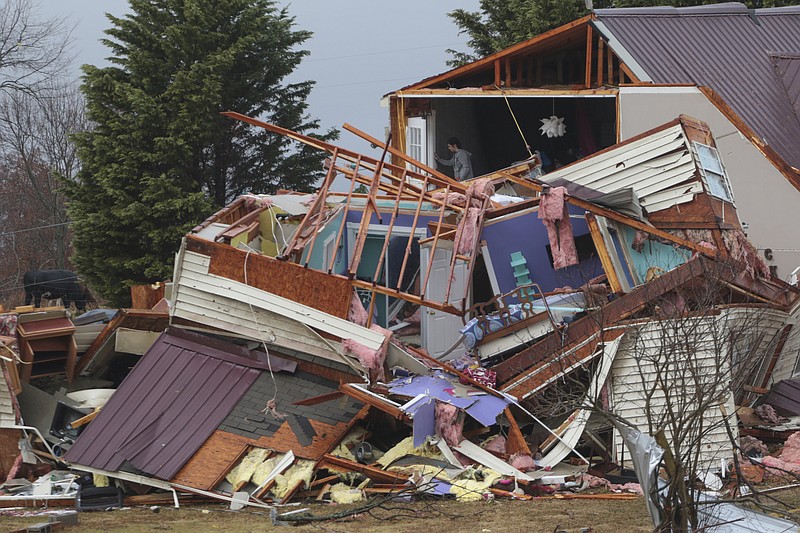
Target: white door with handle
440	330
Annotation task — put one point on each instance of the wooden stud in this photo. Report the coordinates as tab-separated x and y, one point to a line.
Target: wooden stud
516	441
600	49
411	235
435	237
589	38
407	297
395	213
602	252
344	217
323	192
436	177
363	230
497	73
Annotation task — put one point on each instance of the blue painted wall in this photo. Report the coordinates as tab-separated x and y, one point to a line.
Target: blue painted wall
330	229
653	255
525	233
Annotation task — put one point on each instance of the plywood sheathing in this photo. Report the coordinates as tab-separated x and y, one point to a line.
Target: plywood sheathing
212	460
329	294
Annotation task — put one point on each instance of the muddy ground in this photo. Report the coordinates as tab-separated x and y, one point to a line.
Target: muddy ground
541	515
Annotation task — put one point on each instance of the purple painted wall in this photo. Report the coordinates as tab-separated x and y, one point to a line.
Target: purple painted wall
525	233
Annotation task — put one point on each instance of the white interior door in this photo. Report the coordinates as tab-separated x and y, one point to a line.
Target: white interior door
417	140
440	330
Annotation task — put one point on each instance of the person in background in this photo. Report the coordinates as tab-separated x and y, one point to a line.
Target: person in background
460	161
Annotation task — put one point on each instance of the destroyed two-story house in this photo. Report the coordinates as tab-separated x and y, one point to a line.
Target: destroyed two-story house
619	72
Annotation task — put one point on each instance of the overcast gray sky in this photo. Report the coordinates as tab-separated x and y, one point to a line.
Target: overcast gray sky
361	49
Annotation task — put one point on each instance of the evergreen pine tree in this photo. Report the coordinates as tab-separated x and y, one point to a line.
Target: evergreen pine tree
160	157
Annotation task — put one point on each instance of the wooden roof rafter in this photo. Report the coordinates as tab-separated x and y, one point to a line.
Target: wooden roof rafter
399	182
576	26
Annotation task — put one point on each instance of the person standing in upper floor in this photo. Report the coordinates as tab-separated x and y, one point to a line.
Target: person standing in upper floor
461	160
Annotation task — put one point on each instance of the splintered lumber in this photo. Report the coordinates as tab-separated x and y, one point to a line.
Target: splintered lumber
516	441
369	471
373	400
603	496
512	495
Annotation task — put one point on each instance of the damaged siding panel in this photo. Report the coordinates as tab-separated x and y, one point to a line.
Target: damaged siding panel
667	198
786	365
648	363
195	277
194	301
235	317
648	166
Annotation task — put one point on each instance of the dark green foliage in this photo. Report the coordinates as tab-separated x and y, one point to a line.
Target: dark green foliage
160	157
502	23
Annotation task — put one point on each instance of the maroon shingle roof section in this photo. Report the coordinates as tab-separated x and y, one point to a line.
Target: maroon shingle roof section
742	55
170	403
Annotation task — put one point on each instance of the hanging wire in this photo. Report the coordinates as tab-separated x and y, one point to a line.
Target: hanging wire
524	140
270	407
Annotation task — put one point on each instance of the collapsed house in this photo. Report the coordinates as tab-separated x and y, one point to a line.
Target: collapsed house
312	341
413	330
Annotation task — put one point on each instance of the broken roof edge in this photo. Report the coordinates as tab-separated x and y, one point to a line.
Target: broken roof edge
475	65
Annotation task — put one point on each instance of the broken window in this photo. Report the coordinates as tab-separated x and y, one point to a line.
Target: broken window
713	172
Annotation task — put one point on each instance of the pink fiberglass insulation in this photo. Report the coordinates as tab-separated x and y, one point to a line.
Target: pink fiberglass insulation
479	190
791	449
522	462
496	444
449	423
768	413
357	314
454	198
15	468
639	239
752	446
370	359
254	201
742	250
779	467
465	233
554	215
477	193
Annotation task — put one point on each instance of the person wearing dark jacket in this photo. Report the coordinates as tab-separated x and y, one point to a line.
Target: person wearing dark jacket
461	160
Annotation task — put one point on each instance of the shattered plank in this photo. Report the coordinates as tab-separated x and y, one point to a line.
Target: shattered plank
369	471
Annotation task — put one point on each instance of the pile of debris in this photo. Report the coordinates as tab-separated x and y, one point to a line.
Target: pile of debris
430	337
